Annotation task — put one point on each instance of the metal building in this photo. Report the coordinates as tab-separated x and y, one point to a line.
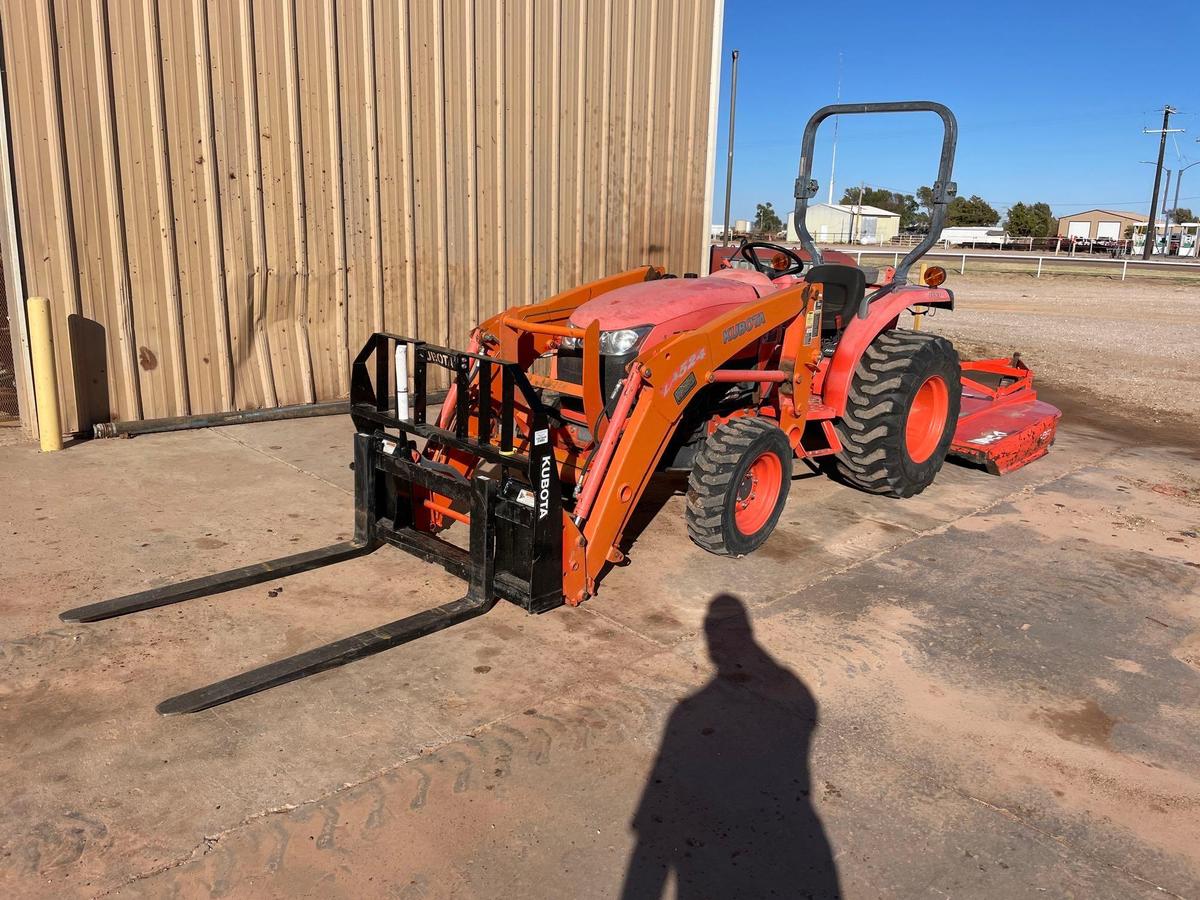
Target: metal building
840	223
223	198
1099	224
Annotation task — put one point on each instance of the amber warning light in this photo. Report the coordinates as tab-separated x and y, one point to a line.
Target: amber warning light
934	276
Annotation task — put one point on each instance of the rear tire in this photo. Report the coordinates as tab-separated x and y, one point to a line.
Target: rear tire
738	486
900	413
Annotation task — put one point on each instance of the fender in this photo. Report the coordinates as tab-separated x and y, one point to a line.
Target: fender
835	386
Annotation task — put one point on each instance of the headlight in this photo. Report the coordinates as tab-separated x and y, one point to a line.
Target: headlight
612	343
620	342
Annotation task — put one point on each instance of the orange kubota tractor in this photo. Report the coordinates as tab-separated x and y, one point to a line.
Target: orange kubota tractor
731	376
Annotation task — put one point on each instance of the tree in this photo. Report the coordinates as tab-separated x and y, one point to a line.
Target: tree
1031	220
925	198
904	205
973	211
1181	214
961	210
766	220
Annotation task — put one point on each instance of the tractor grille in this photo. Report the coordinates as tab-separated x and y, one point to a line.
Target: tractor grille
570	369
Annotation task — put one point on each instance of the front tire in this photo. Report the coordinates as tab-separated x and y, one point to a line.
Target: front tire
738	486
900	414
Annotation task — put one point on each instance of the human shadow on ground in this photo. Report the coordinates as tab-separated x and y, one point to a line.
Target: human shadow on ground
727	807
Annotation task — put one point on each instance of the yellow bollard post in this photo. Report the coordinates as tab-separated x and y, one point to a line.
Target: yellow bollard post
45	380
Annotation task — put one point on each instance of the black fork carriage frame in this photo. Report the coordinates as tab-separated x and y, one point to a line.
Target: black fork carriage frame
515	547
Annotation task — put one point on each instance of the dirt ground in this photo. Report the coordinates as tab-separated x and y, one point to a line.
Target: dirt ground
1132	344
989	690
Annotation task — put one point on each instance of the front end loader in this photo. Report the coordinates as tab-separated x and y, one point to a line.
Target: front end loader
524	481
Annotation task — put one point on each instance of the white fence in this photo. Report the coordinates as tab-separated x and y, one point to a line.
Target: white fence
1184	264
1185	244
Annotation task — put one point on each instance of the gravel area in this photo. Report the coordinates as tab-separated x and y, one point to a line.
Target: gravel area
1135	342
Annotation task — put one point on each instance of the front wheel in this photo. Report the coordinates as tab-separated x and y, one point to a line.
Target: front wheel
738	486
900	413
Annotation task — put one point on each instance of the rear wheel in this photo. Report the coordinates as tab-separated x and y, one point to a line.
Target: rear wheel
738	486
900	413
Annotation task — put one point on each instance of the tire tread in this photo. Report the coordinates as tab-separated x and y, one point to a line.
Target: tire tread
874	457
711	480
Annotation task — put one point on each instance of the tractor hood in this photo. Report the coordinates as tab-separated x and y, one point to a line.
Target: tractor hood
674	304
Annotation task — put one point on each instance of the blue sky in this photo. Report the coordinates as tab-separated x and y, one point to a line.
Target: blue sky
1051	98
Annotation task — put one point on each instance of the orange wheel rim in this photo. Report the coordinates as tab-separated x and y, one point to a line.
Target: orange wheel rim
757	493
927	418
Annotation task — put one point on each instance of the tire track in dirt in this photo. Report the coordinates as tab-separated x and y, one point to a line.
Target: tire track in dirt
387	814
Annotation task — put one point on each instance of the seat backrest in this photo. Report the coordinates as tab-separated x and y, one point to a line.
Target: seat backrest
844	288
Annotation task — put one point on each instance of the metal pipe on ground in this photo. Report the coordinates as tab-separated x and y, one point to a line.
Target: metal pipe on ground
243	417
212	420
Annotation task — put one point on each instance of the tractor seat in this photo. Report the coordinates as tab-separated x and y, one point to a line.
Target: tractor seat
844	288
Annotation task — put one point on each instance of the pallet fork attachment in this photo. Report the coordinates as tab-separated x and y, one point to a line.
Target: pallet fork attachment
245	576
514	549
329	656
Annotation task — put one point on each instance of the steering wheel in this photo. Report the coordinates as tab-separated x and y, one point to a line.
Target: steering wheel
746	252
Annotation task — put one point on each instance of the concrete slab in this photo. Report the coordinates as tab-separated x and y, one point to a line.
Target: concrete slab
988	691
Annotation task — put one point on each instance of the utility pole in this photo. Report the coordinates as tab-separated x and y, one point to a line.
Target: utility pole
1175	205
1166	190
1196	239
729	164
833	165
857	214
1166	185
1168	111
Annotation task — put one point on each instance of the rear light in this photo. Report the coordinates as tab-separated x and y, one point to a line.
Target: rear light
934	276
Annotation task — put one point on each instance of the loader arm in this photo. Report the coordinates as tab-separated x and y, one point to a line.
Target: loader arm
663	380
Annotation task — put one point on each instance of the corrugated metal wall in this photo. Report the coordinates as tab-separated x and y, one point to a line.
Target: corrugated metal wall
223	199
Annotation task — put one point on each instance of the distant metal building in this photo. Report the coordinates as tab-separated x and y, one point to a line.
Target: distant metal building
838	223
1099	224
223	199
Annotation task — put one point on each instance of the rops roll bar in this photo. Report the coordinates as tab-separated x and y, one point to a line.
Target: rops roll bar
943	189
